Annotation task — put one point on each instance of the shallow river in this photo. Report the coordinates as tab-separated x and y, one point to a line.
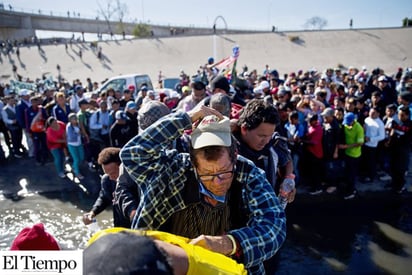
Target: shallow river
324	237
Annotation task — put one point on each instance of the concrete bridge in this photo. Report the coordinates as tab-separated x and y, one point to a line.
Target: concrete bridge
20	25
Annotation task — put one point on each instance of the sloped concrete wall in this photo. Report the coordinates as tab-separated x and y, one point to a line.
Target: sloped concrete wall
384	48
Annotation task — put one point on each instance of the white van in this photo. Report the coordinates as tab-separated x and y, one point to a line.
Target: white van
122	82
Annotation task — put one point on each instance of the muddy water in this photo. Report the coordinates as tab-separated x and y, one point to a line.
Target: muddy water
371	234
57	211
365	236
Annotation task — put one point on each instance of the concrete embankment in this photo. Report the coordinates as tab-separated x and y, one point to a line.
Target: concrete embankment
289	51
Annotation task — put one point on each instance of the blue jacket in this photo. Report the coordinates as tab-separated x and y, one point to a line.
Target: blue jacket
21	113
60	114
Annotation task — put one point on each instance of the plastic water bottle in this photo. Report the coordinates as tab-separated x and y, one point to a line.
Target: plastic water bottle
286	187
93	226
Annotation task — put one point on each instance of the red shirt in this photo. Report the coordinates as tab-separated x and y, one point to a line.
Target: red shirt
53	136
314	137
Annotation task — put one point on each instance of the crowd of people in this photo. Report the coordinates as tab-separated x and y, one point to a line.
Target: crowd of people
326	130
316	112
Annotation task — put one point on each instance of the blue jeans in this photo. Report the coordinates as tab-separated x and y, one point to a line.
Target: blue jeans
77	153
58	157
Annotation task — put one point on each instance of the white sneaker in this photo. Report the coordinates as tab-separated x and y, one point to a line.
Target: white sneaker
401	190
316	192
350	196
385	178
331	189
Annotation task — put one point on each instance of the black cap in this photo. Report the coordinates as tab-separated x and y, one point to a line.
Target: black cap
198	85
124	253
406	96
83	102
274	74
220	82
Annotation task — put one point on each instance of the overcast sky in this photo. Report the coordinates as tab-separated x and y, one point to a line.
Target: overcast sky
251	14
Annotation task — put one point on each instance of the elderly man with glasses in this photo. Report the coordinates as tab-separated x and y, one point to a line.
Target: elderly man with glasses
214	196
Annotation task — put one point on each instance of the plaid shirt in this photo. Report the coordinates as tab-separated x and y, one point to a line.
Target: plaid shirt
160	174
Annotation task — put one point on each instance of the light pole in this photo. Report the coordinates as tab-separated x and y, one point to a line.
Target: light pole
215	36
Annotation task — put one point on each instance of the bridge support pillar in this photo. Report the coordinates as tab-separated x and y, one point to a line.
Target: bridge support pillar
19	34
21	28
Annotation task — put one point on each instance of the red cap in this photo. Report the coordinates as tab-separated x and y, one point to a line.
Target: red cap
131	87
274	91
34	238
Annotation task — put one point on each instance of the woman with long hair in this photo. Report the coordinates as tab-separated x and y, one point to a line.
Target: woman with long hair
56	142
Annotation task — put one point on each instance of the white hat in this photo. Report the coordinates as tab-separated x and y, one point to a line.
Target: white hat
258	91
150	93
121	115
264	85
382	78
24	92
212	131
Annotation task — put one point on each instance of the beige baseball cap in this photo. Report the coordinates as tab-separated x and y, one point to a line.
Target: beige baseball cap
212	131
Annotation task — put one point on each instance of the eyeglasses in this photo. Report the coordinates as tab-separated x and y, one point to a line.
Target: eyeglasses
222	176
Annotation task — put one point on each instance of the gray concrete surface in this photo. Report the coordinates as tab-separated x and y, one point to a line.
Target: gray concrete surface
386	48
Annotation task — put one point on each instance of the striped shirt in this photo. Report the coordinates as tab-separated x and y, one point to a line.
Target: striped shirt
161	175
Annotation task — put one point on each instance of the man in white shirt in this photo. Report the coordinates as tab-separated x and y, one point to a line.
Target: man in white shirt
99	127
75	98
374	133
198	93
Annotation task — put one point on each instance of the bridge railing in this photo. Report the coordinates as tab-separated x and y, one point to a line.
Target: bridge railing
73	14
68	14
